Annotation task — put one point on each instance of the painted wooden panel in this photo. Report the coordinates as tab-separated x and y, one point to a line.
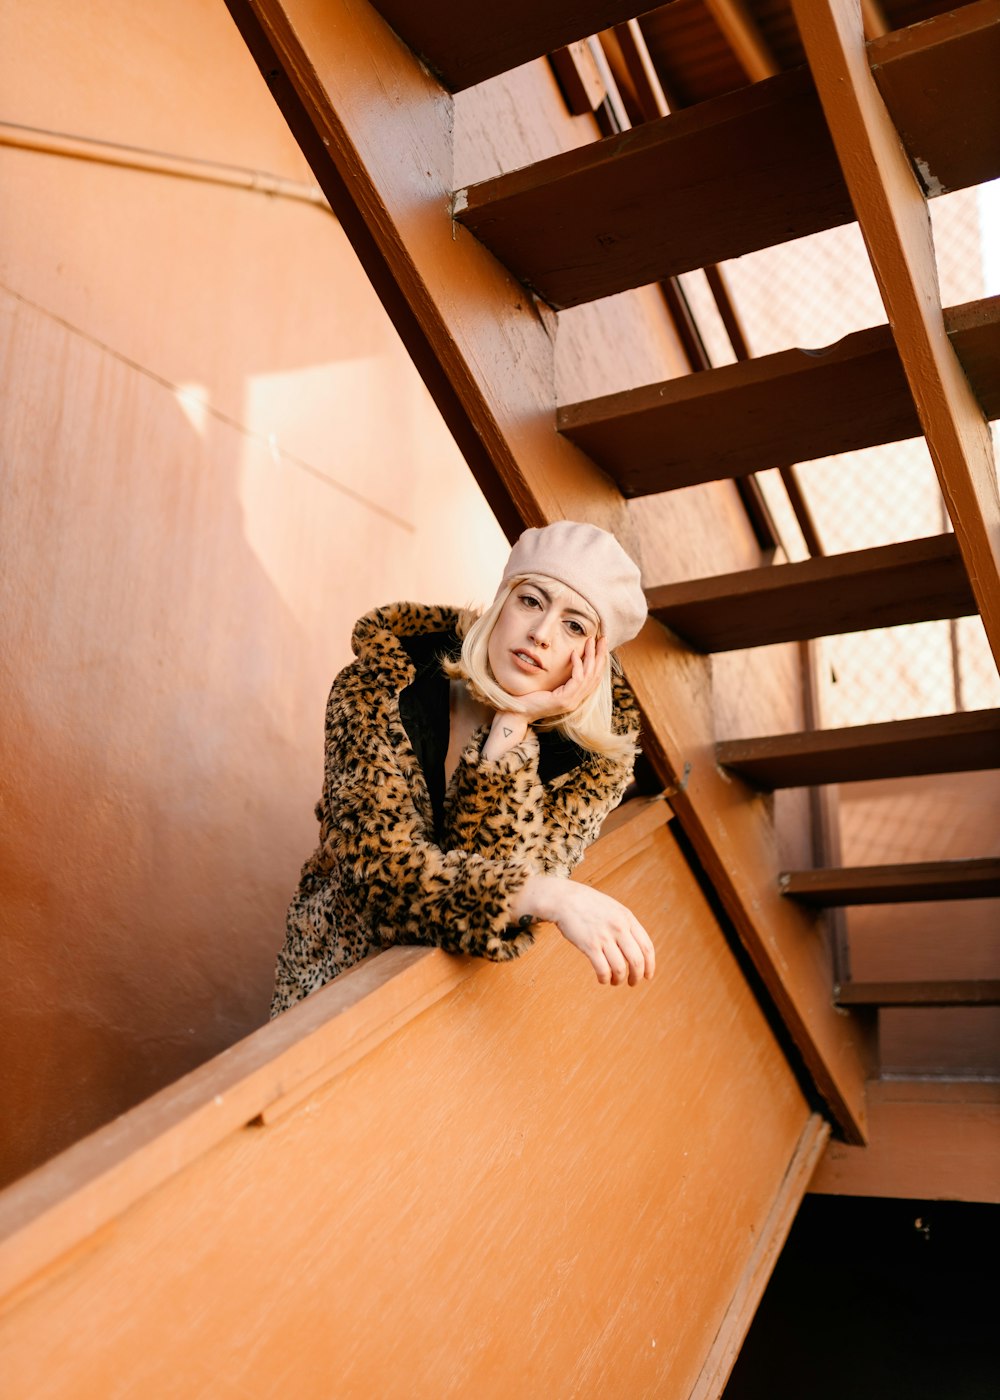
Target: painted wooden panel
535	1186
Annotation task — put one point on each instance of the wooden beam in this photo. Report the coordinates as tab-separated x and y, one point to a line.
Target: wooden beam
917	581
464	44
959	743
740	172
893	884
931	1139
742	34
634	72
873	18
940	82
775	411
957	993
894	220
579	78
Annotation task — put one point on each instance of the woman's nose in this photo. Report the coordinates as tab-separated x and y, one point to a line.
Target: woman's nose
539	632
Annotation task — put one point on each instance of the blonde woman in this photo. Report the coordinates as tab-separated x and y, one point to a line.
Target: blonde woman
469	764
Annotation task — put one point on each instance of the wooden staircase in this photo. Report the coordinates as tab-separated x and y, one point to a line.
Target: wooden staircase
474	279
849	135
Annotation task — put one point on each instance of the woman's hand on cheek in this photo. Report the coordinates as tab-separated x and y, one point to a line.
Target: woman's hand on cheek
588	668
609	935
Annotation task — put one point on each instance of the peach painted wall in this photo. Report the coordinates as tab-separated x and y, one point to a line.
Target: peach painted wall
216	455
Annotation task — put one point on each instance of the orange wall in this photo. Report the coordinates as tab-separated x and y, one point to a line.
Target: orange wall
216	456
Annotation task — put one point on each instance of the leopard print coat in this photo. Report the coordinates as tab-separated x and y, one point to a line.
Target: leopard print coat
389	868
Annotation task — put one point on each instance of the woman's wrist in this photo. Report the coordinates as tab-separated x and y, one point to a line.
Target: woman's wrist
534	902
507	730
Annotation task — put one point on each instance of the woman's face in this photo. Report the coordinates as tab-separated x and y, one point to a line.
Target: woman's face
541	627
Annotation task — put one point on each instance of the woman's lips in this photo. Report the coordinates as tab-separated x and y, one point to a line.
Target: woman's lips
526	661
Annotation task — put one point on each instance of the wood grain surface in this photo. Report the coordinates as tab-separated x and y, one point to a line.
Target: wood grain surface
535	1186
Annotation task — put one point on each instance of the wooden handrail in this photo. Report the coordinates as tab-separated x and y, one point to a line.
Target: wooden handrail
252	1083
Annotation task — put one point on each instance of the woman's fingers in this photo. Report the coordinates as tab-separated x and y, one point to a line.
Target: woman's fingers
618	964
635	959
624	955
601	966
613	940
646	950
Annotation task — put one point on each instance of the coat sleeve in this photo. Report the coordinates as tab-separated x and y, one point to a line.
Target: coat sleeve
374	833
576	806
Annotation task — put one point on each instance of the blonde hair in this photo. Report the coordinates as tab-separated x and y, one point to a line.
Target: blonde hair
590	725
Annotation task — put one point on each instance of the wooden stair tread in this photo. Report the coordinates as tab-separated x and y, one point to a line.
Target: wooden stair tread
894	884
956	53
979	992
465	44
747	170
916	581
774	411
740	172
957	743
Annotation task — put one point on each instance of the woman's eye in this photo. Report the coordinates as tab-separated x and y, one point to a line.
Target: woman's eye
529	601
576	628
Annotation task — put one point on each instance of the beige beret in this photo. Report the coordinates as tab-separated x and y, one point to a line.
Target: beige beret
593	563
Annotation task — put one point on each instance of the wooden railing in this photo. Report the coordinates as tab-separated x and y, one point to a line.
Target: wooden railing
435	1177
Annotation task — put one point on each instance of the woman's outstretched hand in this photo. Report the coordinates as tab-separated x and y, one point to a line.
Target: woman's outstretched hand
619	948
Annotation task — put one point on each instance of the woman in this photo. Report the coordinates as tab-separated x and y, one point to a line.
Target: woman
469	763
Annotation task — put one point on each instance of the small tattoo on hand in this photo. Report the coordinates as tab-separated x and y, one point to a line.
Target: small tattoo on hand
507	733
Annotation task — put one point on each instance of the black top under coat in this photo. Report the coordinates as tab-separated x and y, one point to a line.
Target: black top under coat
425	710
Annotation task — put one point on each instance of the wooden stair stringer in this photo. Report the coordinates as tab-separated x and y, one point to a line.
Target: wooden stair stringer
487	357
894	220
728	825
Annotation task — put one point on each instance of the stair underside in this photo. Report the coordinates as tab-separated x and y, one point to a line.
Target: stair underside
748	170
465	44
893	884
917	581
958	743
774	411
